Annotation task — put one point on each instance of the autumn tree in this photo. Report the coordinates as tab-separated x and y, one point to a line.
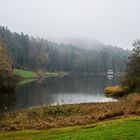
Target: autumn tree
6	71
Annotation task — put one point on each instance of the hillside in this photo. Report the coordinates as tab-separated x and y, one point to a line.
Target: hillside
78	56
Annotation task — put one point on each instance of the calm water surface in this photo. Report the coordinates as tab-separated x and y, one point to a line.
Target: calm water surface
62	90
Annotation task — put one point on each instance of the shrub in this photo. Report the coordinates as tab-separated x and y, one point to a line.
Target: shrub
115	91
132	77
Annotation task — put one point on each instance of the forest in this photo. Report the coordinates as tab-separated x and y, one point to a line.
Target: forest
31	53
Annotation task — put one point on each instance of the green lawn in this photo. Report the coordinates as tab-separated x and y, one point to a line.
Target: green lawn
25	74
122	129
52	74
32	74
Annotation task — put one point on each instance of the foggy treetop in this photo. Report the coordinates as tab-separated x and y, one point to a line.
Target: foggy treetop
36	53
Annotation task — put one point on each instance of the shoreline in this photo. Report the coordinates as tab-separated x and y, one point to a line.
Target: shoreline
70	115
56	104
30	76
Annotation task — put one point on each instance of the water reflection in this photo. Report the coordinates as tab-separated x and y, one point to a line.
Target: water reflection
110	77
69	89
7	101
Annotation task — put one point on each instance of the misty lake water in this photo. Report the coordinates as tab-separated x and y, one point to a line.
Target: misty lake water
58	90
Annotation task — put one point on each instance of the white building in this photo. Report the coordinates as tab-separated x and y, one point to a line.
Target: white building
110	72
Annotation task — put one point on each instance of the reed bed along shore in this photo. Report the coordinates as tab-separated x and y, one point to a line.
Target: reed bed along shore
70	115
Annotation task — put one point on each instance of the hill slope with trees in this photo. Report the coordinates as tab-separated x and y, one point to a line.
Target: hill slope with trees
35	53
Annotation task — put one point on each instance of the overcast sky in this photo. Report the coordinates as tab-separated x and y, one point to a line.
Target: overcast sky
115	22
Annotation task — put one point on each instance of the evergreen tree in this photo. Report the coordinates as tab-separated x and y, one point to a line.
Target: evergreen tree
132	78
40	54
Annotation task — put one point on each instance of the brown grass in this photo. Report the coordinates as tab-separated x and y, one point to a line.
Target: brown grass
69	115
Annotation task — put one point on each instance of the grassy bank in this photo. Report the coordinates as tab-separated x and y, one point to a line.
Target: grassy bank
26	76
25	73
121	129
33	74
70	115
29	76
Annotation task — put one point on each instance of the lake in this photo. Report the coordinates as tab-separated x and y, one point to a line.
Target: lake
58	90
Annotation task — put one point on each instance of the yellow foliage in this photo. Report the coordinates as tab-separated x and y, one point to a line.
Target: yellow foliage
5	62
7	80
113	90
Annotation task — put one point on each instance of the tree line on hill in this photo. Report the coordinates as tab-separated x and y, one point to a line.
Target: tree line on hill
35	54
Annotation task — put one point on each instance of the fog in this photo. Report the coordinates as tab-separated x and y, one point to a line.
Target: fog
115	22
